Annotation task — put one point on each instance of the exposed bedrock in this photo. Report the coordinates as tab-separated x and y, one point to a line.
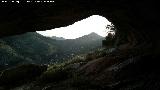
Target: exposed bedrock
136	21
137	24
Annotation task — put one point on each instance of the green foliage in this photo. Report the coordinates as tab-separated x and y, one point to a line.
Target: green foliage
55	73
34	48
62	71
109	41
110	38
10	57
63	74
26	48
96	54
72	47
65	70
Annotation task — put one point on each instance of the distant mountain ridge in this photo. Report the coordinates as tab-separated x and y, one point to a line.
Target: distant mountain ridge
79	45
57	38
35	48
91	36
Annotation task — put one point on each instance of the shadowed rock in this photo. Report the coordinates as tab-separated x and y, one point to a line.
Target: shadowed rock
131	18
137	24
20	74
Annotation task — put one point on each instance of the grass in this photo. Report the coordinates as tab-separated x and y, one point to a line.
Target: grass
65	70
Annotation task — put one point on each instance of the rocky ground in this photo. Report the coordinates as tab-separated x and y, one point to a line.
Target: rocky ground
114	71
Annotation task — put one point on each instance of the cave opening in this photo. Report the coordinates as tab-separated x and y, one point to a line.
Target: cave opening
133	64
86	36
55	54
95	23
57	45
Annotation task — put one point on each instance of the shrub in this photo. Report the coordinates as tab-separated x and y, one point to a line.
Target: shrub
55	73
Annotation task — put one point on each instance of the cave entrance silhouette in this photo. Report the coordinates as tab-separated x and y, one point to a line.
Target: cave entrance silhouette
95	23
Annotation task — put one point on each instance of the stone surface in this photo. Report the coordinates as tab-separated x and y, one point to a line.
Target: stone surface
136	22
21	74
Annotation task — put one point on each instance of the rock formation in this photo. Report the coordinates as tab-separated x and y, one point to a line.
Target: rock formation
137	36
134	20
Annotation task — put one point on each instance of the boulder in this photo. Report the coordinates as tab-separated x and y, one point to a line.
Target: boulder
21	74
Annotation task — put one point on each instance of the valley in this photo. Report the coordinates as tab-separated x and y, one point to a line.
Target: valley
34	48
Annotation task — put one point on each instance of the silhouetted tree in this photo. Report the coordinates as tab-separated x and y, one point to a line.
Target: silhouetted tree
109	39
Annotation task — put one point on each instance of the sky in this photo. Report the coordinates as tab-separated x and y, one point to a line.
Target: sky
94	23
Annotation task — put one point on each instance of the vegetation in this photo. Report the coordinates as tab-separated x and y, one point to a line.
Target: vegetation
110	38
65	73
35	48
67	69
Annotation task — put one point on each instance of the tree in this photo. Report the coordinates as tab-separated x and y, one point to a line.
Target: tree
109	39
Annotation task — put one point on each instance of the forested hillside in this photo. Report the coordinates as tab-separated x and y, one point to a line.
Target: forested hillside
34	48
71	47
26	48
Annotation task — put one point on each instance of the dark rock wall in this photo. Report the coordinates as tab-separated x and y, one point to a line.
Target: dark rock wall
136	21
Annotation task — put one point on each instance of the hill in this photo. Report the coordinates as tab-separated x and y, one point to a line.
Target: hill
90	37
57	38
70	47
26	48
34	48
